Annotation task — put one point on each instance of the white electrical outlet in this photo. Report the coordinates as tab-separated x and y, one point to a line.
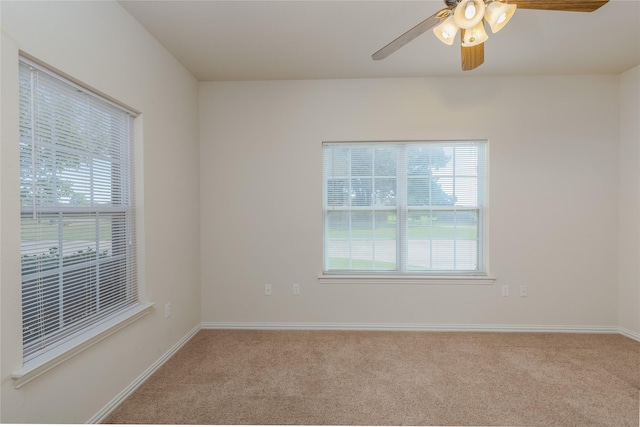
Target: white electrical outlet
167	311
505	290
296	289
267	290
524	291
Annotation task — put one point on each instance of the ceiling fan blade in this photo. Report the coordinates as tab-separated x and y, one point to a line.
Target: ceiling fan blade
563	5
472	57
419	29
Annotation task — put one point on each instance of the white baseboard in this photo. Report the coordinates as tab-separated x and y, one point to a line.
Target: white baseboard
629	334
104	412
413	327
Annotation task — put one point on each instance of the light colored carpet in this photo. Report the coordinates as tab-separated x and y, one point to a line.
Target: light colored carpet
393	378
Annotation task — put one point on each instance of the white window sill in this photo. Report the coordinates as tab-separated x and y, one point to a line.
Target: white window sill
345	279
52	358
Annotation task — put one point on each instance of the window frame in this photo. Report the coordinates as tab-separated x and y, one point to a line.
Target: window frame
402	209
81	337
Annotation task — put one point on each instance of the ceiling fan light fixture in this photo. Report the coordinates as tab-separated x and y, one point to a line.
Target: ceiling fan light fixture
498	14
468	13
446	31
474	36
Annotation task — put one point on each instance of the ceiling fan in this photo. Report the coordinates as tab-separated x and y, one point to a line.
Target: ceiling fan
469	17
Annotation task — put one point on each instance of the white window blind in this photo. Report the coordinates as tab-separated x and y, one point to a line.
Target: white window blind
404	208
77	219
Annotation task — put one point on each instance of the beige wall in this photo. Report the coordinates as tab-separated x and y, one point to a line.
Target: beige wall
100	44
553	203
629	243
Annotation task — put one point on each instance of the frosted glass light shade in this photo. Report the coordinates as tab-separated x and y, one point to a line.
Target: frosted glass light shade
475	35
446	31
498	14
468	13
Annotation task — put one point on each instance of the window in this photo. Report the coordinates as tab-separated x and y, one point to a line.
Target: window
77	219
410	208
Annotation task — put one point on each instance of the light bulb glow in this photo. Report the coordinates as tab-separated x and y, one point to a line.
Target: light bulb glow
468	13
446	31
470	10
502	18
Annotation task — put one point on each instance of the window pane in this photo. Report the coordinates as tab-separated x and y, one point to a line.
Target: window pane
73	179
385	161
40	307
361	240
361	225
442	240
45	183
337	241
336	161
466	191
337	225
361	255
418	191
385	243
338	255
442	192
419	255
466	160
27	180
385	191
466	254
79	294
362	161
442	160
467	224
420	224
429	159
361	192
79	239
442	255
431	191
104	191
112	273
386	225
40	246
338	193
113	234
418	161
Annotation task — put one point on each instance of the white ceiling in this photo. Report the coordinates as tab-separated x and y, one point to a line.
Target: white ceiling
265	40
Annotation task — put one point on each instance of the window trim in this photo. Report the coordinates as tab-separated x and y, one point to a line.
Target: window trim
407	279
437	277
81	86
43	363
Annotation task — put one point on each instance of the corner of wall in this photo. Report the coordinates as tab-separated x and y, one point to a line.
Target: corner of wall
629	202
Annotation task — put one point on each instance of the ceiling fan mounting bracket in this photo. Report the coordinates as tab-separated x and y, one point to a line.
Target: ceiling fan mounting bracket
444	14
453	3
